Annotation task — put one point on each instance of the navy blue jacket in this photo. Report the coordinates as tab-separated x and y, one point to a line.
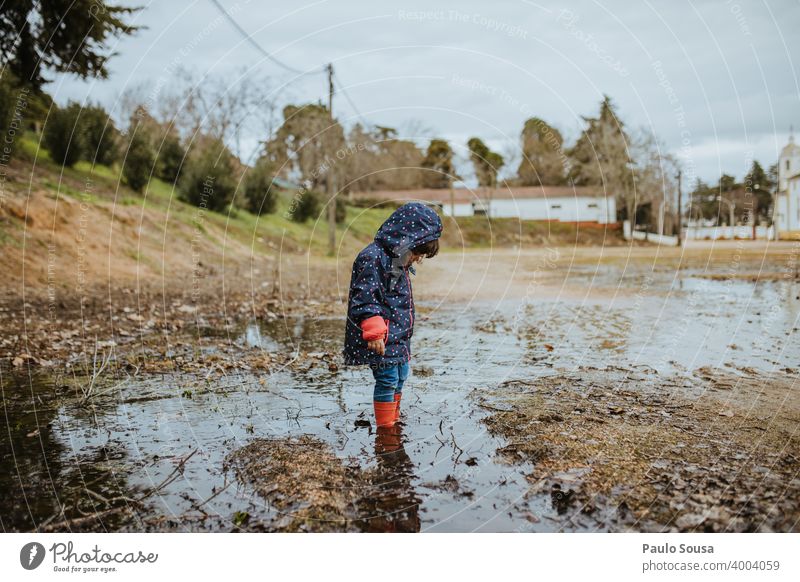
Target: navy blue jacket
380	285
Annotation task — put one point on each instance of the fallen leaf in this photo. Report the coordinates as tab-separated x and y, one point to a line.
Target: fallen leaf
690	520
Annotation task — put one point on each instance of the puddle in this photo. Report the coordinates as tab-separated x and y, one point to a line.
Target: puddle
440	473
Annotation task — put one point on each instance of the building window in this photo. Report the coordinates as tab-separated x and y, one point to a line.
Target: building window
591	205
788	165
555	206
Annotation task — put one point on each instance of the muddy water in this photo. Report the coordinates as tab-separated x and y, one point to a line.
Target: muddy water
447	477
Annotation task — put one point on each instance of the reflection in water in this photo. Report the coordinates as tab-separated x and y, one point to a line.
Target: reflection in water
29	456
295	334
57	451
393	505
41	477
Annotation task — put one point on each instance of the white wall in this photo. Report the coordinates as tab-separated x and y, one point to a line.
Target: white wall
781	212
564	209
461	209
784	172
787	207
743	231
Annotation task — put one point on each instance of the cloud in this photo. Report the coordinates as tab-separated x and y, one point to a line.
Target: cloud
729	65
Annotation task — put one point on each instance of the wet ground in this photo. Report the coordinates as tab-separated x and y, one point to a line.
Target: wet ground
583	395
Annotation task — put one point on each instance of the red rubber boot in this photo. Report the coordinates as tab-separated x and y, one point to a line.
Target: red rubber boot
397	397
385	413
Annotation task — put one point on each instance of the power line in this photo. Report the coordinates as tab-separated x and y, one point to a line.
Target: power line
257	46
283	65
347	96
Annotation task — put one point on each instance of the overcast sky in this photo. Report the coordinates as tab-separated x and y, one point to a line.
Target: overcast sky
717	82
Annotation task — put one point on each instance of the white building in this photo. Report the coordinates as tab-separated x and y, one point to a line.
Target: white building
787	201
557	203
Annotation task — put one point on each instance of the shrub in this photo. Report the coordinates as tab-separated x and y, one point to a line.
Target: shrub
6	102
304	206
63	135
139	161
101	138
170	159
260	195
14	114
20	105
208	178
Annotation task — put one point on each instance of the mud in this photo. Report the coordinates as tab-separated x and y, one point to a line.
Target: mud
661	452
303	480
568	390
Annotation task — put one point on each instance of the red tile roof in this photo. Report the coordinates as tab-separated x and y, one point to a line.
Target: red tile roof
475	194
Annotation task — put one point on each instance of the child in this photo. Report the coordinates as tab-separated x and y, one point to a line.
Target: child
380	311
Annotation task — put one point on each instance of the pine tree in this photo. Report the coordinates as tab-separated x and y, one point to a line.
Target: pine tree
138	161
259	193
542	154
439	159
486	162
601	158
63	135
759	184
66	36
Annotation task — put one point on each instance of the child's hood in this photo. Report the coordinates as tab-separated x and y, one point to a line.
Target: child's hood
409	226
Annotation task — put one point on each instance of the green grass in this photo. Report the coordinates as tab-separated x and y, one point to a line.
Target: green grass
101	184
28	145
65	189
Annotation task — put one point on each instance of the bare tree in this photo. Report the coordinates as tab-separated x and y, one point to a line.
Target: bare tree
655	180
235	108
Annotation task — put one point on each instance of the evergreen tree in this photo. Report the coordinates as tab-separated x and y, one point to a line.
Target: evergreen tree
439	159
208	180
138	161
542	154
760	186
600	157
259	193
171	157
66	36
63	135
305	206
486	162
101	136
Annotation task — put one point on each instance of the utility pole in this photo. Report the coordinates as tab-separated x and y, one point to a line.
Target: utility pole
680	208
452	198
329	180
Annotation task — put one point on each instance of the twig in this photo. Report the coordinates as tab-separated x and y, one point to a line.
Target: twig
97	370
78	521
487	407
455	444
199	506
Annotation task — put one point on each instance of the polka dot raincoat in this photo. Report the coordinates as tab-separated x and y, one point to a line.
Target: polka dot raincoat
380	285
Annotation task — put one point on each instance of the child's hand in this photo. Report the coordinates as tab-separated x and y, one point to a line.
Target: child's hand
377	346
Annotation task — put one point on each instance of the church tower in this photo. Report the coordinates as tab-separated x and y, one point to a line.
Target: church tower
787	199
788	163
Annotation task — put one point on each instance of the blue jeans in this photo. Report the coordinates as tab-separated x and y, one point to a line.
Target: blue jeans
389	381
